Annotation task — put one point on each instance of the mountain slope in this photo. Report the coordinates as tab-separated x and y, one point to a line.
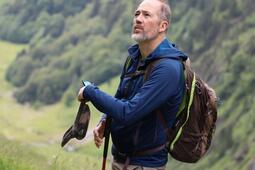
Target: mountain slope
93	42
88	47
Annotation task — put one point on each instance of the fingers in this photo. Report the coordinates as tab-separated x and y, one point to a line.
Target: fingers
101	128
99	134
98	139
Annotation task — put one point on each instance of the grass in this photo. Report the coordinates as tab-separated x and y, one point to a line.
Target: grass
19	156
34	134
2	2
7	54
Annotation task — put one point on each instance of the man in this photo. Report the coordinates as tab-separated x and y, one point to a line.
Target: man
138	135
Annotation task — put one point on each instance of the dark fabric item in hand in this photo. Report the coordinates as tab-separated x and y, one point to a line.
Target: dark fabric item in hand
79	129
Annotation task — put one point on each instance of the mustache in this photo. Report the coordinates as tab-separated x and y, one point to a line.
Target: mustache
137	27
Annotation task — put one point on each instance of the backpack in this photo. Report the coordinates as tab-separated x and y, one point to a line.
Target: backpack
191	135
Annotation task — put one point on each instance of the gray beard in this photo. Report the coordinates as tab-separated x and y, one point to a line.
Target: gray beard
138	37
143	37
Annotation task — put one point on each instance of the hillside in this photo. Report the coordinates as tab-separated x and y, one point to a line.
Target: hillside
30	136
217	35
86	43
83	45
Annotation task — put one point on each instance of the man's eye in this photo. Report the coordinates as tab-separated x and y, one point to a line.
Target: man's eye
136	14
147	15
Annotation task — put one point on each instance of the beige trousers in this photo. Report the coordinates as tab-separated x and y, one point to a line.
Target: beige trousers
119	166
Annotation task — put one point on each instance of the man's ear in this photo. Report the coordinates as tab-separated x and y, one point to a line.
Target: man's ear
163	26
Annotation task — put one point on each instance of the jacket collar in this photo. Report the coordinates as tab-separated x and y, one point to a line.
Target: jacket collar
164	50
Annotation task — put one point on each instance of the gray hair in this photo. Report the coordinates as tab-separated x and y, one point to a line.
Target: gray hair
165	10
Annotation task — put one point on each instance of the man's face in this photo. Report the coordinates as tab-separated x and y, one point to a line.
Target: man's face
146	21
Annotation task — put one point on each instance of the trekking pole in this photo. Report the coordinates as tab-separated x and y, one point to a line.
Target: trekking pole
106	140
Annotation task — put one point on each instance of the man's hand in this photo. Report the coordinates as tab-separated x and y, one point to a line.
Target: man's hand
99	133
80	94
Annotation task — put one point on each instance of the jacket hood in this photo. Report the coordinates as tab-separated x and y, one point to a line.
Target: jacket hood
164	50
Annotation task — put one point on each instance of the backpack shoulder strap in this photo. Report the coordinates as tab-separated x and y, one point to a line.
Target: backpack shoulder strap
149	69
134	74
126	66
127	63
151	65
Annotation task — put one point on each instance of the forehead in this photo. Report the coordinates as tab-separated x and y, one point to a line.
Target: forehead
152	6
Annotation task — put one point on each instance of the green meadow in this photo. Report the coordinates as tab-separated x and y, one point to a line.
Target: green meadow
30	135
2	2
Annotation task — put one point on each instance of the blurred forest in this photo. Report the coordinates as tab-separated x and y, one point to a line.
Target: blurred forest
69	41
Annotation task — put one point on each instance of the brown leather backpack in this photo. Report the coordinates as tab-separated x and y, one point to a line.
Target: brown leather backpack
190	137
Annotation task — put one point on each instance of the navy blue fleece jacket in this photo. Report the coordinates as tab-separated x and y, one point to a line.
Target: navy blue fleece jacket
135	110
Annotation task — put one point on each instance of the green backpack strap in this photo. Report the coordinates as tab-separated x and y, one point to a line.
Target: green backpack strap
127	63
188	111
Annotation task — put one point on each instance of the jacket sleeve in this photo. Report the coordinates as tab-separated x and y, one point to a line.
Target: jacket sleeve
117	95
162	84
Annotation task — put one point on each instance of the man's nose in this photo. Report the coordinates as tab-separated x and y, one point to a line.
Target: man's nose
138	19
